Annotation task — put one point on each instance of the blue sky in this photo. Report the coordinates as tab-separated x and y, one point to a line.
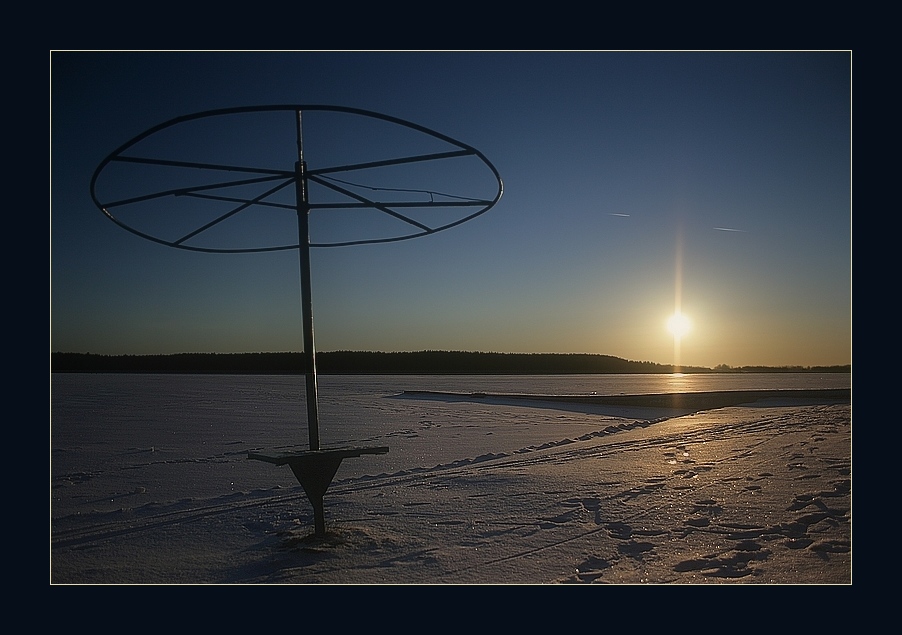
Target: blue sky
633	182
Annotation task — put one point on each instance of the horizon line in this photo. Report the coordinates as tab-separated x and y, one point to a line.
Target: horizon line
467	352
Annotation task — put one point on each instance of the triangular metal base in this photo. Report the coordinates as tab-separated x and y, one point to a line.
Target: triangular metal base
314	470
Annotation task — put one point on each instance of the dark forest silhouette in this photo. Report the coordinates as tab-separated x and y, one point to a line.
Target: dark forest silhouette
400	363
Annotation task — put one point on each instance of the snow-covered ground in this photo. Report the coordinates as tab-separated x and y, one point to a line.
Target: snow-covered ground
150	483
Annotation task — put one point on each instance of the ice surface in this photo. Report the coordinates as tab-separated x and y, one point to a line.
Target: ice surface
150	482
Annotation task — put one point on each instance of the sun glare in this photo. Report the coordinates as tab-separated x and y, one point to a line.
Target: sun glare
678	325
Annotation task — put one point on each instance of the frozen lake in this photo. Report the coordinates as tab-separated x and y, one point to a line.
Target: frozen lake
135	455
187	436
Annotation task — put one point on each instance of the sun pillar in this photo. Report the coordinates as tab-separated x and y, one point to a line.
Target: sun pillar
677	304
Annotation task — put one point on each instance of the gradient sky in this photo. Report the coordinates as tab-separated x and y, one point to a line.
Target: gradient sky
632	182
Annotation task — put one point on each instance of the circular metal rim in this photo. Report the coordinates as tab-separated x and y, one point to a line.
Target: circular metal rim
297	108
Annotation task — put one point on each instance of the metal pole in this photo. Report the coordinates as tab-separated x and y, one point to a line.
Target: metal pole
303	208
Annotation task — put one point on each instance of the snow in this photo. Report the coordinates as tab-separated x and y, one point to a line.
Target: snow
159	490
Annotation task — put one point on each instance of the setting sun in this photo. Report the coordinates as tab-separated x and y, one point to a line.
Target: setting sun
678	325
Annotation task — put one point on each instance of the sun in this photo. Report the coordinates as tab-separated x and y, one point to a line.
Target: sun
678	325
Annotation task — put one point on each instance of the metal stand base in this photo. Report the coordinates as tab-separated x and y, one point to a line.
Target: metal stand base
315	470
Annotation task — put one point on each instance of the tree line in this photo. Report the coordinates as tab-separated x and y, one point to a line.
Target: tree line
380	363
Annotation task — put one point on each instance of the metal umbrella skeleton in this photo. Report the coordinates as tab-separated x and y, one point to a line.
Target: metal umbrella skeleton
259	188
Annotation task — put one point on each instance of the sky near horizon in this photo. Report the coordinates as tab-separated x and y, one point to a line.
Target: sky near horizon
635	184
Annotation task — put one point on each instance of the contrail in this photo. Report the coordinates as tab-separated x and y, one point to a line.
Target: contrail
626	215
727	229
